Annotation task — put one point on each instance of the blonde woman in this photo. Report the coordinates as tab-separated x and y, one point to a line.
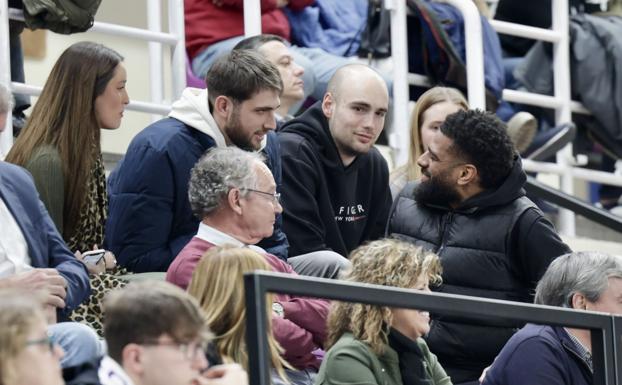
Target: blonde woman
25	344
430	112
217	283
371	344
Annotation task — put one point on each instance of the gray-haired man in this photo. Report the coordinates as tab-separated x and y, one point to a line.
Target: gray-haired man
542	354
235	195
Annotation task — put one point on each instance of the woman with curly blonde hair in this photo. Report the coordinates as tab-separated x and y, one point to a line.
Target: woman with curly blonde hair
430	112
371	344
218	284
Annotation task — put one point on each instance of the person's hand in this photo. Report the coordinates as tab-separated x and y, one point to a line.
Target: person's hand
111	260
228	374
48	281
99	268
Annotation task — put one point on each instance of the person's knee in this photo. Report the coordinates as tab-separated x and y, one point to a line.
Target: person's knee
333	260
79	342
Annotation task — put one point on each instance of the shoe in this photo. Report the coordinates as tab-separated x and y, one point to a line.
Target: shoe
522	128
547	143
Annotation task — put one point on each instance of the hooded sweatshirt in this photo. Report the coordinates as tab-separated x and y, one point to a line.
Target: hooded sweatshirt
496	244
150	219
326	204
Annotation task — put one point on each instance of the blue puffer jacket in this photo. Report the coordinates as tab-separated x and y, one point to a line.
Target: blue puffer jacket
333	25
150	219
539	355
453	22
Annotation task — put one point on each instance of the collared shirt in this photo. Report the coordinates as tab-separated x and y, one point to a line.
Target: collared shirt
218	238
111	373
14	256
581	350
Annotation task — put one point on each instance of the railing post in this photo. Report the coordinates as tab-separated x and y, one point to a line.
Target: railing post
6	137
617	347
178	51
256	331
561	80
604	364
156	73
476	90
400	138
252	17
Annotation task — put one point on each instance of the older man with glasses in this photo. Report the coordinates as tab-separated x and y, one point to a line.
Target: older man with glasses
234	194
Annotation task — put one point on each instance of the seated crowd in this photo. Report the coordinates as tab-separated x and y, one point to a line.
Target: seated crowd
229	183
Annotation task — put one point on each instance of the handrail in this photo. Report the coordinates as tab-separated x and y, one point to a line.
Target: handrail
605	344
116	30
474	47
600	216
135	105
399	53
175	39
6	137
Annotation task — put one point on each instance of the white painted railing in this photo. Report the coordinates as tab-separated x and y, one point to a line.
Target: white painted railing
174	39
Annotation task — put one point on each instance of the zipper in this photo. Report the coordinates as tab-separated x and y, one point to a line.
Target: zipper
444	231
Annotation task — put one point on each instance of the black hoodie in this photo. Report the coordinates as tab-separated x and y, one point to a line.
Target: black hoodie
496	244
327	205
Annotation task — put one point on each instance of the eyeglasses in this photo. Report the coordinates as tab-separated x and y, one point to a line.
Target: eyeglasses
191	351
42	341
276	197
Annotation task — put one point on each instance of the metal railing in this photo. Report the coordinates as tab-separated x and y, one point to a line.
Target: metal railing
174	39
605	329
574	204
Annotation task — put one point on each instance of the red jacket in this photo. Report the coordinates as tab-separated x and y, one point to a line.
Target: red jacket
300	332
207	23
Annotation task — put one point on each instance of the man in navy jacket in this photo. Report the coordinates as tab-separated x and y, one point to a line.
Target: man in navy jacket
150	219
557	355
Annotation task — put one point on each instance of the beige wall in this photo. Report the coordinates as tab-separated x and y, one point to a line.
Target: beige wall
130	13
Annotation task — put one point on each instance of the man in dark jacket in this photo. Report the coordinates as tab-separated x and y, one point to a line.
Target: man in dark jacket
150	219
557	355
335	183
470	208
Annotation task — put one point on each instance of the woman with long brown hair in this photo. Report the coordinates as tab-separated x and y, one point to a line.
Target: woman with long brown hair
370	344
60	143
60	146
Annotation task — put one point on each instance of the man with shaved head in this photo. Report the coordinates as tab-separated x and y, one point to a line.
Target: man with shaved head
335	183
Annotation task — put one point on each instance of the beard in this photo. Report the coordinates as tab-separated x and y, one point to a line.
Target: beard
436	191
236	133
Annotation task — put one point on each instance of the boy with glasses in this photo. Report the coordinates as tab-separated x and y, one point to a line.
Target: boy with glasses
156	335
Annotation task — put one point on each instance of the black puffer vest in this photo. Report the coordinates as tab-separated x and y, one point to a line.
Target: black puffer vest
475	244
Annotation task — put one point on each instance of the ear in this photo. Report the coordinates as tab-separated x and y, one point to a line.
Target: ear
468	174
579	301
132	356
234	200
328	104
222	106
